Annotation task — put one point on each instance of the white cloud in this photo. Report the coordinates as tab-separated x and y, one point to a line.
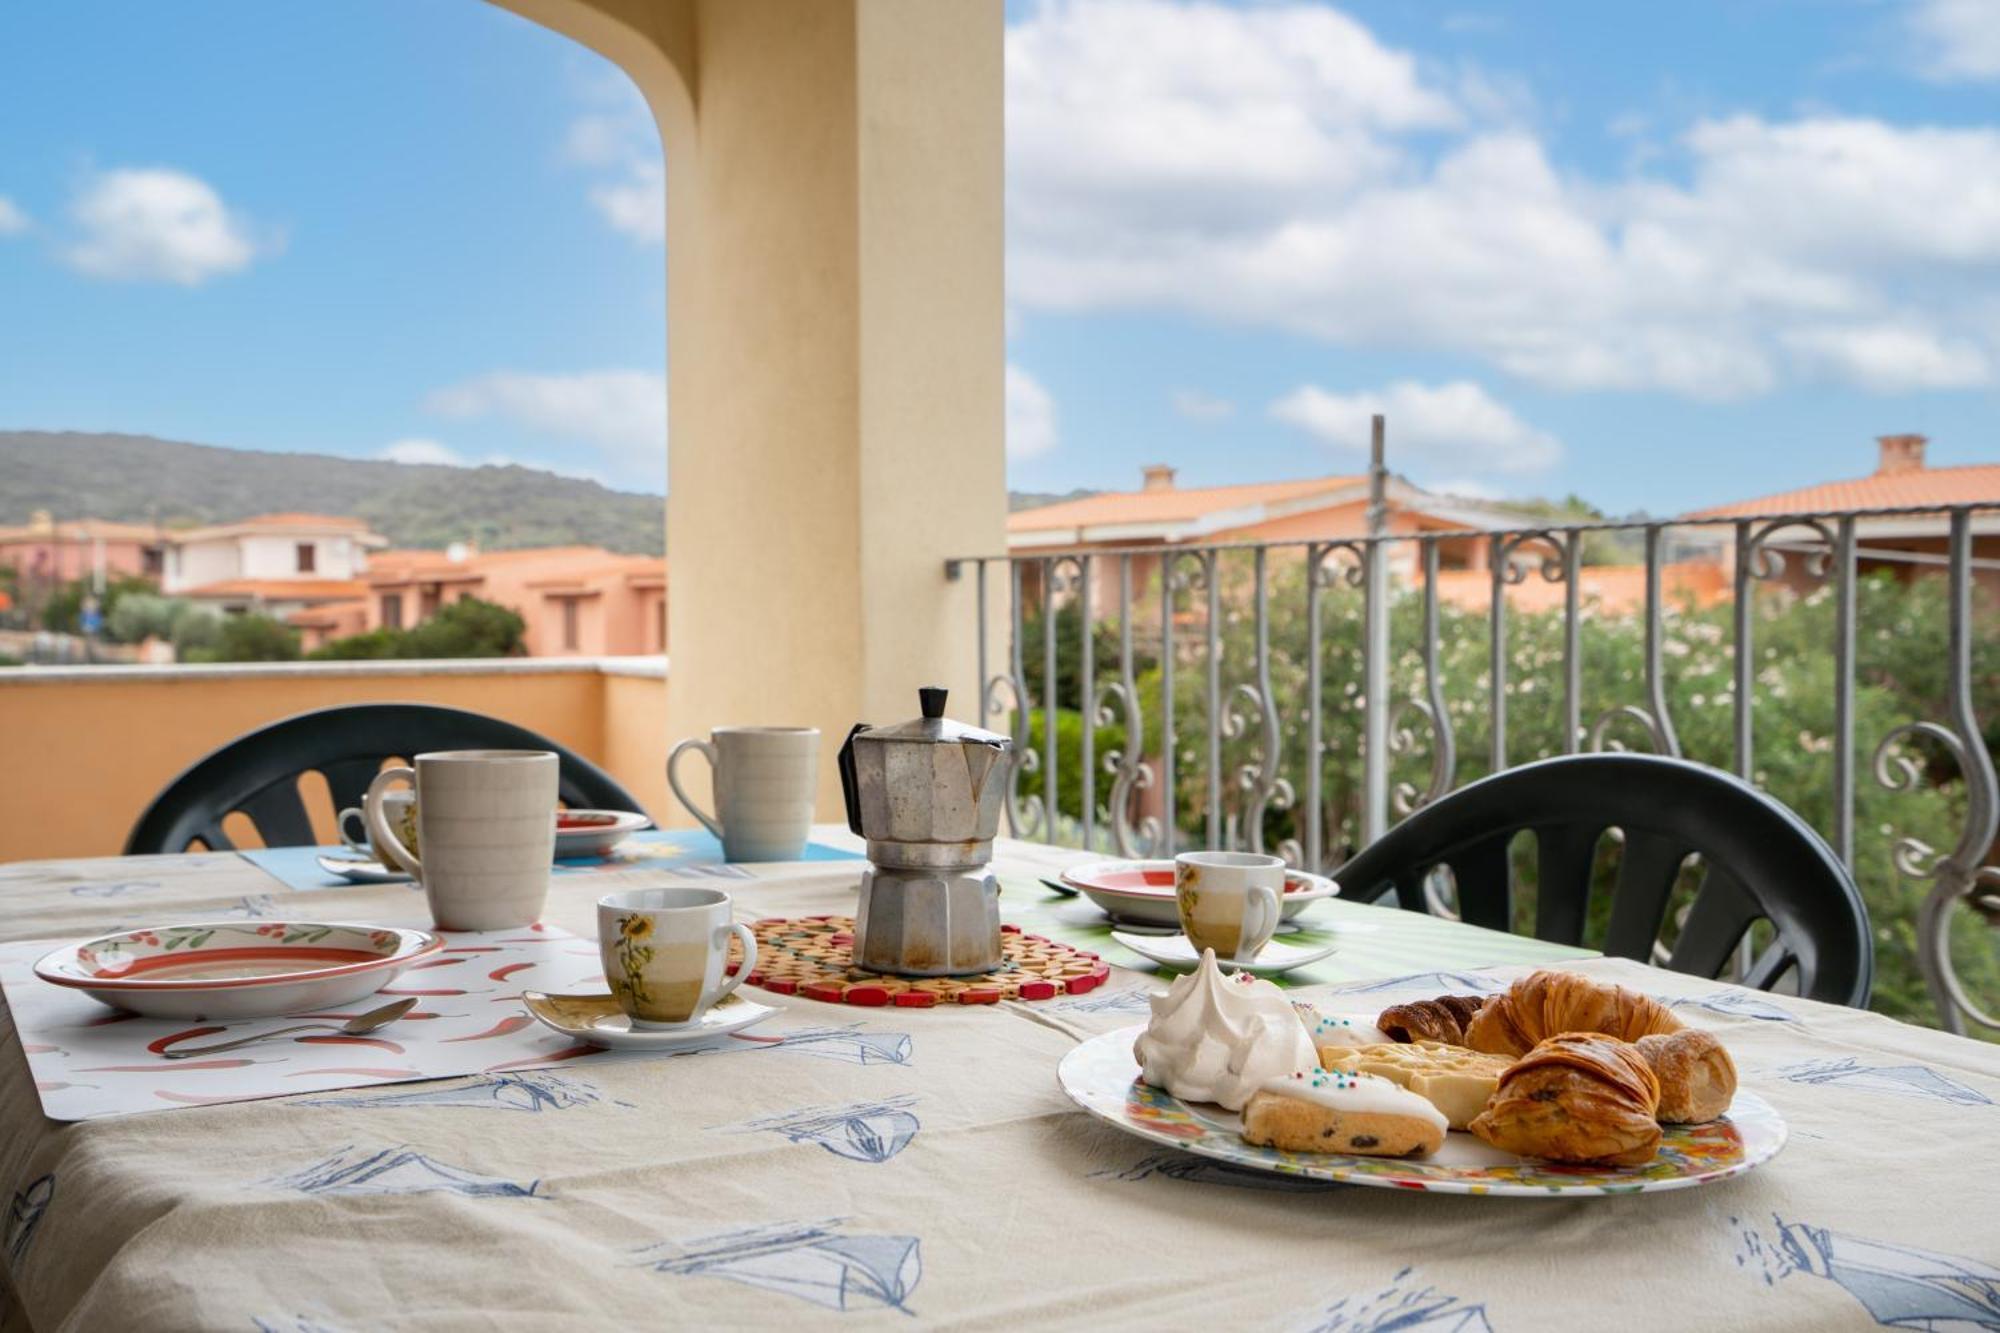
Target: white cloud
1198	406
423	451
1456	425
13	220
619	145
1277	166
159	225
623	411
1031	416
1957	40
1890	358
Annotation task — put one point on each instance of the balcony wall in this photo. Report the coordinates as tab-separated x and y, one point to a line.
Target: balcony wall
87	748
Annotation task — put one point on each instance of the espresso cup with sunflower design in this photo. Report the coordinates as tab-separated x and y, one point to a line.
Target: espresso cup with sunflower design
1229	901
665	951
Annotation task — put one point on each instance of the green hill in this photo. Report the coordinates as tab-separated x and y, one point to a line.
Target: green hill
139	479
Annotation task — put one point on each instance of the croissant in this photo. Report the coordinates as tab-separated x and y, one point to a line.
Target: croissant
1697	1077
1577	1097
1541	1005
1443	1019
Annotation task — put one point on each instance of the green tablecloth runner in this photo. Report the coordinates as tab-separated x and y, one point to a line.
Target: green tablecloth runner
1373	941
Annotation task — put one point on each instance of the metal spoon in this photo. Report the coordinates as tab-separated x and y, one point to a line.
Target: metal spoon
353	1027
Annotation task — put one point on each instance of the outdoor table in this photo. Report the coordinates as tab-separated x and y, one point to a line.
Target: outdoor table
887	1163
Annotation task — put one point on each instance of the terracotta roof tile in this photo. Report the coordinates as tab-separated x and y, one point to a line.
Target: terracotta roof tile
1971	484
1180	504
282	590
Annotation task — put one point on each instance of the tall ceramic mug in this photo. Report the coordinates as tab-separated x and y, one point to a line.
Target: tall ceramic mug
764	780
664	951
1229	901
486	821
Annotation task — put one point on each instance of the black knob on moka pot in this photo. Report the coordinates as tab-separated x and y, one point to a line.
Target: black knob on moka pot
931	699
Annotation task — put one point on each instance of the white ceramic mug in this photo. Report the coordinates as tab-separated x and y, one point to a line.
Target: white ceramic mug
486	823
764	779
402	807
664	952
1229	901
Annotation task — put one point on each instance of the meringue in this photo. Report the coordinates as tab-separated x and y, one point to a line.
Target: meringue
1349	1030
1219	1039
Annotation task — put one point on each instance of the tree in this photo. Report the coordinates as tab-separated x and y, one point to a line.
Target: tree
250	637
468	627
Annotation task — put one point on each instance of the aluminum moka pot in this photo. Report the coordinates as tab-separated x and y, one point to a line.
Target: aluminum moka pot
927	795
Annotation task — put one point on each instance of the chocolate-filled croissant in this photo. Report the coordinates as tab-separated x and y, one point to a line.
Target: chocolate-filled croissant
1697	1077
1577	1097
1443	1019
1546	1003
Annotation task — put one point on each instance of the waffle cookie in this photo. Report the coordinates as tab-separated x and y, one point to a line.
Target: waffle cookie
1333	1111
1458	1082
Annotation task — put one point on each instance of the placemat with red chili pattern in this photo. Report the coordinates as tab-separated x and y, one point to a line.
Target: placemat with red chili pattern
813	956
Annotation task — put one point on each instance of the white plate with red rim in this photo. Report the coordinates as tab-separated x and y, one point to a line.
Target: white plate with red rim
237	969
586	833
1142	892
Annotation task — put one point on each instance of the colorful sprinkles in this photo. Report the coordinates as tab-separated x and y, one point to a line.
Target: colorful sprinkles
813	956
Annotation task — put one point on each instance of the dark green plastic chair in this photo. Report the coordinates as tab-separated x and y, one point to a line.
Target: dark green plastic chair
258	774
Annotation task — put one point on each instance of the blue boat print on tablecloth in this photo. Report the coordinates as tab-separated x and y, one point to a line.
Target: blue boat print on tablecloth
253	906
812	1261
1897	1080
858	1131
532	1092
1900	1286
1208	1171
1431	983
24	1217
398	1170
1131	1000
1738	1004
290	1323
850	1044
1401	1307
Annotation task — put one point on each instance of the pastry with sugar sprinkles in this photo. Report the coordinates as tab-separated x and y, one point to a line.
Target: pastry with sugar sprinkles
1218	1039
1334	1111
1347	1031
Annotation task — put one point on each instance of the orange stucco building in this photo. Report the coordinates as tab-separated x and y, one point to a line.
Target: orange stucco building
578	601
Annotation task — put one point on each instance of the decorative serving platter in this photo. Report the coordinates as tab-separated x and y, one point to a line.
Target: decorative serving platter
1142	892
220	969
1101	1076
588	833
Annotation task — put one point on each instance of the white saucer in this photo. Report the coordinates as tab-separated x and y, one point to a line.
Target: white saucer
360	869
598	1020
1175	951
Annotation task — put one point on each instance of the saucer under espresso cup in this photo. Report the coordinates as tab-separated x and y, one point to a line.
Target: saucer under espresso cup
486	823
1229	901
664	952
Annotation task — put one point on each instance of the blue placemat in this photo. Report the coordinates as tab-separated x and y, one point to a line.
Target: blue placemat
662	849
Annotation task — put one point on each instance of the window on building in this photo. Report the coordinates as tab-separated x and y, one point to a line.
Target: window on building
392	610
660	631
428	601
308	557
569	615
156	560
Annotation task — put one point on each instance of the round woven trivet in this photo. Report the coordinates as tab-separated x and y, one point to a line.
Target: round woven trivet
813	956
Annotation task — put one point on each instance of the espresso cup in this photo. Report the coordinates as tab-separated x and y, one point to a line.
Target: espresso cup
1229	901
764	780
402	808
664	951
486	821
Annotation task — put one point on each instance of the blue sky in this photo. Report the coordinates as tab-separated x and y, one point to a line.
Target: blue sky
1660	256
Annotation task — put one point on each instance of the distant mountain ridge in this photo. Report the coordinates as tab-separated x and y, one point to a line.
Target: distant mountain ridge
140	479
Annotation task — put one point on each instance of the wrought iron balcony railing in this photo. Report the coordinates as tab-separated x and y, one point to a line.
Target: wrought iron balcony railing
1300	695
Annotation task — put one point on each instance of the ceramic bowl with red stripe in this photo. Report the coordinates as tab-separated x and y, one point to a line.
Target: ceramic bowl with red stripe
237	969
591	833
1142	892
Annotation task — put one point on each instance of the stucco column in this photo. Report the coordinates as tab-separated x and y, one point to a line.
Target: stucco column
836	330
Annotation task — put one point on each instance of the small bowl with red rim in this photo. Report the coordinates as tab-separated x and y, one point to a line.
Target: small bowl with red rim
1142	892
237	969
581	834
